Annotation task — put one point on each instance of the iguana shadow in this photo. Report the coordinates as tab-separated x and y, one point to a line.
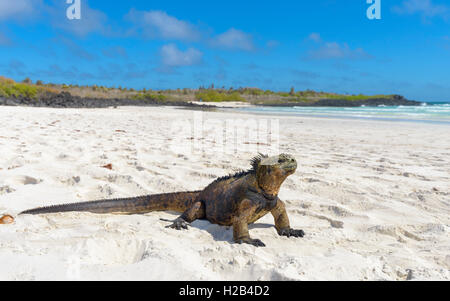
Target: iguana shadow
224	233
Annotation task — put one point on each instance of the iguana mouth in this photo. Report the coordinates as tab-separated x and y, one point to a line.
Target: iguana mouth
290	166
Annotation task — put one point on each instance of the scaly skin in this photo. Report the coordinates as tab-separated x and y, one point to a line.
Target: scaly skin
236	200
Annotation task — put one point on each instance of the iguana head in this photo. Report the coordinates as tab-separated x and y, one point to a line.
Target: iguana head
272	171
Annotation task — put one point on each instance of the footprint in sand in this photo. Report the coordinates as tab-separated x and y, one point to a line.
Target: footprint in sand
16	163
338	211
125	181
68	180
113	251
333	223
22	180
62	156
6	189
394	231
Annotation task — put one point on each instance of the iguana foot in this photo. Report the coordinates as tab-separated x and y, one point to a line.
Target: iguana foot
179	224
250	241
291	232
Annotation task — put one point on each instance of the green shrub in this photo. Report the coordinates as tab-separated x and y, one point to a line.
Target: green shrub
9	88
16	90
146	96
214	96
254	92
27	81
28	91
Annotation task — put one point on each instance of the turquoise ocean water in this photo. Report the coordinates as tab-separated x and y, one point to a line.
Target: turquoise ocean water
427	112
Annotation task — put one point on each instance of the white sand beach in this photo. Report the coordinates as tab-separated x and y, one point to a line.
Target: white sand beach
373	197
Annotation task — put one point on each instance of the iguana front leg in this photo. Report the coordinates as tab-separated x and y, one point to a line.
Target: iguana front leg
240	225
282	221
195	212
241	235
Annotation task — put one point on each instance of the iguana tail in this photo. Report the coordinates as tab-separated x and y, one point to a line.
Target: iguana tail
179	202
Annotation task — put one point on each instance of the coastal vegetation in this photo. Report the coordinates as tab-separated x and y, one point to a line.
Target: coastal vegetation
29	90
218	96
149	96
9	88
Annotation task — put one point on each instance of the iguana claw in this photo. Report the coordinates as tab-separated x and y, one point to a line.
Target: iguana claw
291	232
250	241
179	224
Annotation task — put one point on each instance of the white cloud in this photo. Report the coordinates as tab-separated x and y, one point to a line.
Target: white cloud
17	9
174	57
92	20
159	24
234	39
55	11
334	50
426	8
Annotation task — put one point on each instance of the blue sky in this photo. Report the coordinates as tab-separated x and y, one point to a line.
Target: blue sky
326	45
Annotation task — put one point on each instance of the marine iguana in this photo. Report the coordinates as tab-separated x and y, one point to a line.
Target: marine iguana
235	200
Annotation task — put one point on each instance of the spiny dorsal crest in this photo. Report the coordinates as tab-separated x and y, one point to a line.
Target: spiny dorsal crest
257	160
241	173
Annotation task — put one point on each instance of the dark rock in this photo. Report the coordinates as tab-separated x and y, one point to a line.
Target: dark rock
66	100
396	100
